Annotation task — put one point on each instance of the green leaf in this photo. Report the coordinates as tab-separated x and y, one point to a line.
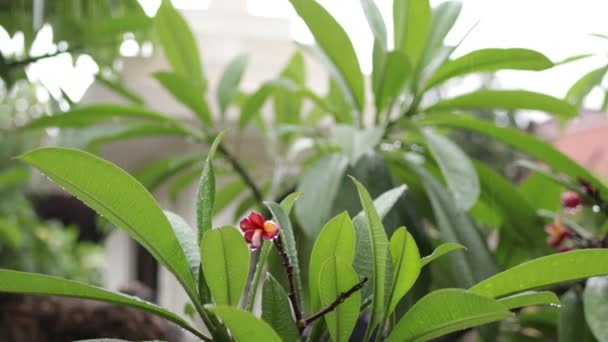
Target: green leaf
375	21
443	249
119	89
595	299
119	198
243	325
572	326
90	115
545	271
254	103
257	275
225	262
288	202
336	46
39	284
13	176
319	187
276	310
288	99
336	239
506	99
353	142
187	239
406	265
229	82
186	91
457	227
336	277
156	173
392	79
534	147
227	194
443	18
456	167
179	44
489	60
412	23
289	241
205	198
530	298
445	311
579	90
139	130
380	248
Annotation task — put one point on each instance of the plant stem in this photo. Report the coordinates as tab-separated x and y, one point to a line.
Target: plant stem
30	60
257	275
293	298
244	174
341	298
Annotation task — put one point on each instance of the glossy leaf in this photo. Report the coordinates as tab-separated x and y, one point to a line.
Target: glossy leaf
380	249
489	60
187	239
412	23
353	142
205	199
336	239
375	21
90	115
225	262
392	78
289	241
443	249
229	82
595	299
506	99
456	167
244	326
406	265
178	43
530	298
564	267
276	310
336	46
319	187
120	199
445	311
534	147
579	90
336	277
39	284
187	92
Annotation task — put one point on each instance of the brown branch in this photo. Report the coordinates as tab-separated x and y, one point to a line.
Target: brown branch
293	297
341	298
244	174
30	60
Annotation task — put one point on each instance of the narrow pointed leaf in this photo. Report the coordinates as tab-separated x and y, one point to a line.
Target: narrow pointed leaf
119	198
395	73
225	262
507	99
545	271
380	249
227	194
39	284
375	21
206	191
443	18
336	277
178	43
440	251
579	90
187	92
288	202
229	82
530	298
120	89
489	60
406	265
244	326
336	45
276	310
157	172
337	239
445	311
412	22
456	167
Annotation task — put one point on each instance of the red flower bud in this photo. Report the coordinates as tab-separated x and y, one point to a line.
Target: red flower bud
557	233
256	228
571	199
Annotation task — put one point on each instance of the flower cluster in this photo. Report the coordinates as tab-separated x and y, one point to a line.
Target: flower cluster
256	228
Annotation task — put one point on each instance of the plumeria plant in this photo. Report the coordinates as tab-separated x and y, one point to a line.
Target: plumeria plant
213	265
394	146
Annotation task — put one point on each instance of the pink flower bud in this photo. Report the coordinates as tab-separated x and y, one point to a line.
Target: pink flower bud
571	199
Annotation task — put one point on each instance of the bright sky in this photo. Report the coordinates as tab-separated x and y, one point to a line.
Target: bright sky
558	28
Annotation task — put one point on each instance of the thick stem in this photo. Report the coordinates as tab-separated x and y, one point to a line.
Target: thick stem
293	297
331	307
